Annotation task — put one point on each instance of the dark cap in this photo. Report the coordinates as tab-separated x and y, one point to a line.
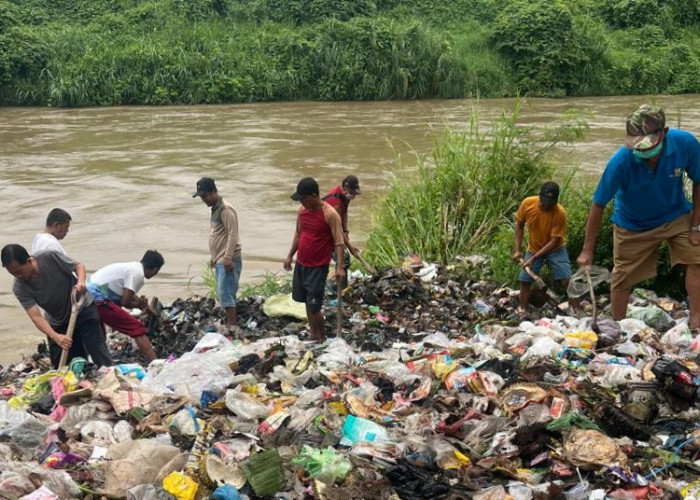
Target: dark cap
306	187
549	192
644	127
353	184
204	185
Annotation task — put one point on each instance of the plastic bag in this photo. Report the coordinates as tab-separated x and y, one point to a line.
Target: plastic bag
325	465
281	305
15	480
244	405
581	340
97	432
653	316
180	486
135	462
679	336
591	449
543	347
193	373
21	428
578	284
357	429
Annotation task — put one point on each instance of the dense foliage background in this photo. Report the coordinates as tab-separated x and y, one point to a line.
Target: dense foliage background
110	52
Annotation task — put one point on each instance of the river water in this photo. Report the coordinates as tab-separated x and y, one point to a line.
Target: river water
126	175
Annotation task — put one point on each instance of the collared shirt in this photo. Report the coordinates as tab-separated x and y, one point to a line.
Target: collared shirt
223	233
646	198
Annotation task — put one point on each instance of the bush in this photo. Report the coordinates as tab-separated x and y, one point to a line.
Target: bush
456	202
543	45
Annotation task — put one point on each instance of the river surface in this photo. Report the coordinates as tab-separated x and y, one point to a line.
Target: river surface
127	174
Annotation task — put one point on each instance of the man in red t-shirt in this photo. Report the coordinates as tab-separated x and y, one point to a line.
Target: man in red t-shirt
318	233
339	198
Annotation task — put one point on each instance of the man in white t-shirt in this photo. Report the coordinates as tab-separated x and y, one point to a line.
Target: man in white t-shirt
57	224
115	286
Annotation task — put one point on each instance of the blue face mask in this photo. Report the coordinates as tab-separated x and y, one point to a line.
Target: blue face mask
645	155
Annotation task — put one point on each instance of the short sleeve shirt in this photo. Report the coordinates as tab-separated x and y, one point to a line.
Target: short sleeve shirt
45	242
542	225
109	282
646	198
52	289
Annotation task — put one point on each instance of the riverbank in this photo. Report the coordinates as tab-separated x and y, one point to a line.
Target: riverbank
159	52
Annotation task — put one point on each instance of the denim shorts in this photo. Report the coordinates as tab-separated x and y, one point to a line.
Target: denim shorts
558	262
227	283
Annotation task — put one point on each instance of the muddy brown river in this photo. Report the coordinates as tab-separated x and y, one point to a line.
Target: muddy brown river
126	175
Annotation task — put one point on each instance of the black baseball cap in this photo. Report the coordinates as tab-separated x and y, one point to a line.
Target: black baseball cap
306	187
204	185
549	192
352	183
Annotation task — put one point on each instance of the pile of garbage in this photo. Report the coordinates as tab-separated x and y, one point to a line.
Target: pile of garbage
436	389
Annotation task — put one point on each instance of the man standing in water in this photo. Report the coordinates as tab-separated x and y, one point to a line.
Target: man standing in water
224	249
318	233
546	222
115	286
646	180
57	224
47	281
339	198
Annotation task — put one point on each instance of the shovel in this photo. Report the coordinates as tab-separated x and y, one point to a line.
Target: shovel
76	305
541	293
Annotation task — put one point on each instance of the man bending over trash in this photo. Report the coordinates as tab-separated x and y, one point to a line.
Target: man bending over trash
546	222
115	286
339	198
318	233
48	281
646	179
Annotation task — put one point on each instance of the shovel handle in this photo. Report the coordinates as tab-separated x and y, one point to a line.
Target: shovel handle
339	311
76	305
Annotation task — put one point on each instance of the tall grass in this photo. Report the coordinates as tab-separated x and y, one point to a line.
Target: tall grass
454	202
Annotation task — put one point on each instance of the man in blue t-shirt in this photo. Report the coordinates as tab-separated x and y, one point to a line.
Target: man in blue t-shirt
646	180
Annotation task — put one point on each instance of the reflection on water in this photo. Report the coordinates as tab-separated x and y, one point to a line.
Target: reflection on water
127	175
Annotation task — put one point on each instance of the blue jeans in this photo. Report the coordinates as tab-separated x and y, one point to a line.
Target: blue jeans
227	283
558	262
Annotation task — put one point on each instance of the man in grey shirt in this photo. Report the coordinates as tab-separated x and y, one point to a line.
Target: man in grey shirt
47	281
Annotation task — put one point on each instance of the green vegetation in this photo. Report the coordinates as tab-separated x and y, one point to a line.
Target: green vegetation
457	200
272	284
462	201
113	52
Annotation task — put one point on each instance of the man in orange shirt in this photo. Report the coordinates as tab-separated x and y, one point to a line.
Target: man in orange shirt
546	222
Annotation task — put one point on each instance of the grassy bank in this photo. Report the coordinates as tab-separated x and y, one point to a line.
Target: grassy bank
112	52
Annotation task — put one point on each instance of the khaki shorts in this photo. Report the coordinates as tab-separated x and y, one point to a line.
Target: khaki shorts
636	252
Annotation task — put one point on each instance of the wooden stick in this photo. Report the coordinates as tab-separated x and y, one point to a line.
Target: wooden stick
74	310
339	312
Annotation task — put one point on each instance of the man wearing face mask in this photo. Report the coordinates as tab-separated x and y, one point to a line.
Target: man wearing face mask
339	198
646	180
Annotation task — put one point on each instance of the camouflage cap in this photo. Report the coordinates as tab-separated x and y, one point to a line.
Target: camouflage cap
644	127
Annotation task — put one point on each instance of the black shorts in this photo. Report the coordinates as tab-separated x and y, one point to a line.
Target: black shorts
309	285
